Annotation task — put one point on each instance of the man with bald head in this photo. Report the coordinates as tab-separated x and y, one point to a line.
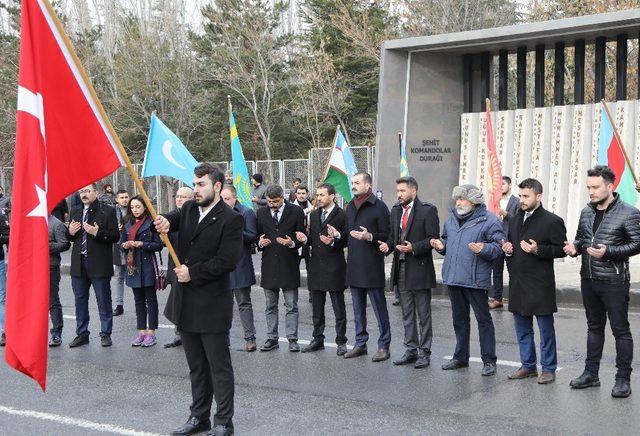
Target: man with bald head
183	195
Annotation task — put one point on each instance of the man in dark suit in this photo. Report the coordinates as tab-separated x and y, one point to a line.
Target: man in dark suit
201	305
367	223
183	194
536	237
244	276
277	227
507	209
327	267
93	229
119	257
413	225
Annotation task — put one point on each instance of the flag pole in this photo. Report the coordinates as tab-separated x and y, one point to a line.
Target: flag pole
333	144
400	143
624	152
112	132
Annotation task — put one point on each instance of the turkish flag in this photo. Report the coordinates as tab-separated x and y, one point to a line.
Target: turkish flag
62	144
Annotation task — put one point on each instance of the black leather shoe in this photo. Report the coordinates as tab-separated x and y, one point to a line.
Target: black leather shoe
270	344
3	340
622	388
454	364
55	341
355	352
424	359
396	302
119	310
586	380
192	426
79	340
175	343
342	349
294	347
315	345
105	341
409	356
489	369
221	430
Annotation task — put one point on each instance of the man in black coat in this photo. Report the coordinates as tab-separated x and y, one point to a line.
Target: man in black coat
327	267
277	227
93	228
608	234
201	305
413	225
535	238
508	207
367	223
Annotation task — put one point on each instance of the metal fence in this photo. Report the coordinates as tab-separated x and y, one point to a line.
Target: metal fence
161	190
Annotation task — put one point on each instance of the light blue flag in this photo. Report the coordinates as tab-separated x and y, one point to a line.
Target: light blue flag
240	173
166	155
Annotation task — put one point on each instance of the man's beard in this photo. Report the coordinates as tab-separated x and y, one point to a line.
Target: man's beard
463	210
206	201
406	202
599	202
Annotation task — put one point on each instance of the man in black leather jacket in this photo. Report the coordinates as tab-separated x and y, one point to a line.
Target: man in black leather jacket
608	234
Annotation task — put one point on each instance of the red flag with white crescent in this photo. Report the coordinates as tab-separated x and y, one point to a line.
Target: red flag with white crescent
62	144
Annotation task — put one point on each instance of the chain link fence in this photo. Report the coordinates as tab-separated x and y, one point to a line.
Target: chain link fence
161	190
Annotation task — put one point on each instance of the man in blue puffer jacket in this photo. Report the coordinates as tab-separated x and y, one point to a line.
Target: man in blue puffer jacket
471	241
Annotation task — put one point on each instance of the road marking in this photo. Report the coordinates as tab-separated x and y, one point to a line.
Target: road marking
160	326
305	342
499	362
60	419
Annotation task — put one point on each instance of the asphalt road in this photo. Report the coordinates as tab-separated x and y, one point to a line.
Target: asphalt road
122	390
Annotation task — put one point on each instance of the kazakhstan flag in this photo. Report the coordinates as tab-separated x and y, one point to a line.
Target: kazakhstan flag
166	155
239	165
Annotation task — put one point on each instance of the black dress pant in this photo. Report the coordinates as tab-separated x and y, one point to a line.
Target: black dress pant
211	375
602	300
318	300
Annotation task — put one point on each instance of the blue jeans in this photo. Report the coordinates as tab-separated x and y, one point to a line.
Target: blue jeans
526	342
379	304
102	288
3	290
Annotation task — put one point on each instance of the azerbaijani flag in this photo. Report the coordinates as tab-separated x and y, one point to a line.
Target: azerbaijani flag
239	165
610	153
404	166
341	167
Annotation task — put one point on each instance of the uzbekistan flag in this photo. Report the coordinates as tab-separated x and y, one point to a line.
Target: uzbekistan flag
610	153
341	166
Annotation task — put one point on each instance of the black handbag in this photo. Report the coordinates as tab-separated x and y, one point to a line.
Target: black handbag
161	274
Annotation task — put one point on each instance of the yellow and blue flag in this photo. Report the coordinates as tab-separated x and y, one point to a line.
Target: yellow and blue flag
166	155
404	166
239	165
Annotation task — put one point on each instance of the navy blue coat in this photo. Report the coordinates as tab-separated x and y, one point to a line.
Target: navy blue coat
461	266
244	274
365	262
145	274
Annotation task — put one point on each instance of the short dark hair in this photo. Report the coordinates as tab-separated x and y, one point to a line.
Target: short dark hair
408	180
506	179
257	177
107	185
602	171
129	218
207	169
366	177
302	187
230	188
296	179
274	191
122	191
531	184
331	190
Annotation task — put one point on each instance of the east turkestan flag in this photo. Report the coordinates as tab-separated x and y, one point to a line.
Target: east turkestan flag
239	165
610	153
166	155
63	142
341	167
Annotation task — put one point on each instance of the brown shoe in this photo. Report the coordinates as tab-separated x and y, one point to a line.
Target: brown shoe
546	377
250	346
356	352
381	355
523	372
496	304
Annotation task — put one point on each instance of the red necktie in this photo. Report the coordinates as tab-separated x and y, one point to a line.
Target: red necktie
405	217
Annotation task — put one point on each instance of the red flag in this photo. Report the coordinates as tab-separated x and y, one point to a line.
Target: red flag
63	142
494	184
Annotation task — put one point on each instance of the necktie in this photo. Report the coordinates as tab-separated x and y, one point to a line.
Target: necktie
405	217
526	217
83	247
275	216
324	216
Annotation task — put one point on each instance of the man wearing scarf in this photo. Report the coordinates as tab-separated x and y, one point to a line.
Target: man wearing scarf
367	223
471	240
